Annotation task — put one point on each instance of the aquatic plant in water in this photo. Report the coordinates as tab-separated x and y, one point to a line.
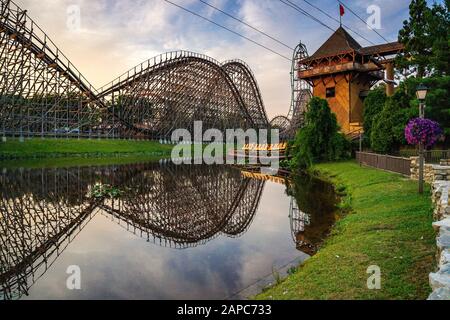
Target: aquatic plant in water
105	191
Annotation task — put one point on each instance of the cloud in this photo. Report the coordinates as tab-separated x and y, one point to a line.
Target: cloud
116	35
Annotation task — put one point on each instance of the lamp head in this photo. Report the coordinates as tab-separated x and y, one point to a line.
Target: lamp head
421	92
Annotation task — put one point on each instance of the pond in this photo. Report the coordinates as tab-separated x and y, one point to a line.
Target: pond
161	232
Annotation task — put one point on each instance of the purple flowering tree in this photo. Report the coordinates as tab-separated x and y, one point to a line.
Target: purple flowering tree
423	130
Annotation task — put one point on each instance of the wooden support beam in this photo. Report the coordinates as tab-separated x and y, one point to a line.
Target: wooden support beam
390	79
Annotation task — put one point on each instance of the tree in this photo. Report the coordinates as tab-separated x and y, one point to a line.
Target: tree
387	133
319	140
437	101
373	105
439	29
414	36
425	37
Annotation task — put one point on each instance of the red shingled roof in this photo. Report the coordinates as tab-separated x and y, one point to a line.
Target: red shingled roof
342	42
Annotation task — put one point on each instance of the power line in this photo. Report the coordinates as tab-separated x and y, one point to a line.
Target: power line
228	29
308	15
365	22
305	13
246	24
302	11
333	18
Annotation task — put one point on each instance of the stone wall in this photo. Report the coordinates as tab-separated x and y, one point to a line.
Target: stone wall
440	280
432	172
438	176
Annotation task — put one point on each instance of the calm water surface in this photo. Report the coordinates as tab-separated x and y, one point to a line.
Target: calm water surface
169	232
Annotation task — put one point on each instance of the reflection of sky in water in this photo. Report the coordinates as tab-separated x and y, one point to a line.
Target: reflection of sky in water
117	264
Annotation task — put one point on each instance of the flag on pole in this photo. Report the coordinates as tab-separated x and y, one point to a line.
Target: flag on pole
342	12
341	9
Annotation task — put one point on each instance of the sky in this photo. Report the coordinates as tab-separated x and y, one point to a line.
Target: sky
115	35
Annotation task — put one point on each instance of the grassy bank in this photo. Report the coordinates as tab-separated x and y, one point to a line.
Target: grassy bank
389	225
39	148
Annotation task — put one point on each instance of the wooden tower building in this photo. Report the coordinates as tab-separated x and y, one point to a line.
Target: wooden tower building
342	72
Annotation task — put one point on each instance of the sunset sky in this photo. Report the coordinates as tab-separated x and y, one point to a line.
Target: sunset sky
116	35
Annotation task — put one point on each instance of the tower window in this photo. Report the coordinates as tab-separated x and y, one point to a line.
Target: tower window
331	92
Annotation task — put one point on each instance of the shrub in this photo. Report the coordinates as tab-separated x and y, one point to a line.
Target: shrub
387	133
319	140
373	105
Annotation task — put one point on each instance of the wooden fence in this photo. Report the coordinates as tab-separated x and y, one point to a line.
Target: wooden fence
431	156
385	162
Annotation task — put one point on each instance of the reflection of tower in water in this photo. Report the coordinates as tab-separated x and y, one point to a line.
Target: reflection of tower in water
299	222
309	224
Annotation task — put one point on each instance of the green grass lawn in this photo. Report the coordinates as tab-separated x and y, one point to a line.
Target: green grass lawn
389	225
13	148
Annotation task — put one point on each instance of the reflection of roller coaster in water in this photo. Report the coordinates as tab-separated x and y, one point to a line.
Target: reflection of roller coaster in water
41	211
182	206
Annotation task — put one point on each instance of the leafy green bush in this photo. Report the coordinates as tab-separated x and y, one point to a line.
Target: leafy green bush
342	148
388	127
373	105
284	164
320	139
105	191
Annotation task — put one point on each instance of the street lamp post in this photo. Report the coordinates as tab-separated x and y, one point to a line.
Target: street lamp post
421	93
